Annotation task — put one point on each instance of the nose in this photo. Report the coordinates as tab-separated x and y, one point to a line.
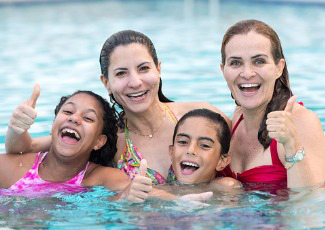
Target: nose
134	80
248	71
75	118
191	149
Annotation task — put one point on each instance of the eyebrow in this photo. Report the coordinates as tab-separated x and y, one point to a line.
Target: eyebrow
143	63
87	111
200	138
256	56
183	135
206	138
259	55
120	68
123	68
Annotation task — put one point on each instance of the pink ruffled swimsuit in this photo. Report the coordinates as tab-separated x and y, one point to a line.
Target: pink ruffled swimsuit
32	185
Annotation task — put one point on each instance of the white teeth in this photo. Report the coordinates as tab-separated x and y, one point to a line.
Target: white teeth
137	94
248	85
190	164
66	130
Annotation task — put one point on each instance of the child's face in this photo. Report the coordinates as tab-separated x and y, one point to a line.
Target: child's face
196	152
77	128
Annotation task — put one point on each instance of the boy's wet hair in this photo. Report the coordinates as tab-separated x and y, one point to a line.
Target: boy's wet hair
222	128
105	155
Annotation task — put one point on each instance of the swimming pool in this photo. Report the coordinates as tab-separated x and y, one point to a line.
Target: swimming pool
58	45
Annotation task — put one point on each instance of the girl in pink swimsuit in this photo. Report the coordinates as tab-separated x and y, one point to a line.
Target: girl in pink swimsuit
83	143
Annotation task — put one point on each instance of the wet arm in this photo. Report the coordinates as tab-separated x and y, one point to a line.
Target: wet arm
16	143
310	136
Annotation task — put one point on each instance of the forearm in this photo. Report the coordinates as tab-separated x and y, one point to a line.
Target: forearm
307	172
161	194
16	143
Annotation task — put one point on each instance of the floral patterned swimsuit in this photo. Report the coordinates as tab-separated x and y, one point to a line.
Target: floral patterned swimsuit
129	161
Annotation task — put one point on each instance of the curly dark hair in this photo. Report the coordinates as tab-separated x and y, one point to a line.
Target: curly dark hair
105	155
222	128
123	38
282	91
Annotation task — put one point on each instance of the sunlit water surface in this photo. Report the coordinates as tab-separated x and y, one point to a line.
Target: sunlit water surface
58	46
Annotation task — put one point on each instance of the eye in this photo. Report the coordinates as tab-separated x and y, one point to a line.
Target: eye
182	142
68	112
205	146
89	119
235	63
120	74
144	68
260	61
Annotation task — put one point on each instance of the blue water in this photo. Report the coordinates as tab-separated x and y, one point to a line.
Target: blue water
58	45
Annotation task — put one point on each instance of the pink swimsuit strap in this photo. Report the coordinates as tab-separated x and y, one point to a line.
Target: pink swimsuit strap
32	177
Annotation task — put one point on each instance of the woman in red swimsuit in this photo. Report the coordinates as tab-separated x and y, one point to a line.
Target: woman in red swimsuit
275	140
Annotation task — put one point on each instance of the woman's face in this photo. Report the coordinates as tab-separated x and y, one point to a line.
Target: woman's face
250	70
133	77
77	128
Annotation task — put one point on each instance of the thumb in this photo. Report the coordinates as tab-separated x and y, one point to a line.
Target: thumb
143	167
290	103
33	98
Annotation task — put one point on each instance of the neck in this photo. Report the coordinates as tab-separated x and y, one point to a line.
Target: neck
253	118
148	122
57	169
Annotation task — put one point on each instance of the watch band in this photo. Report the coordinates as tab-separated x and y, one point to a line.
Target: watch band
290	161
297	157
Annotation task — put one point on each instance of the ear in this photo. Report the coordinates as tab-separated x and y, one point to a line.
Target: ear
280	67
105	83
159	67
171	151
221	67
223	162
100	142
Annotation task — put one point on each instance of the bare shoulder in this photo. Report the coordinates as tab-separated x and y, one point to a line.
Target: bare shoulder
112	178
180	108
224	182
236	115
304	117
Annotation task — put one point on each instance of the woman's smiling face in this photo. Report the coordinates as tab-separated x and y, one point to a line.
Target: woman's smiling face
133	77
250	70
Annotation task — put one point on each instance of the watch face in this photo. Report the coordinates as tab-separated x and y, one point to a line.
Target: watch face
300	155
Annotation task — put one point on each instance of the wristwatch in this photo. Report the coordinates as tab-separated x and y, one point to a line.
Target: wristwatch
300	154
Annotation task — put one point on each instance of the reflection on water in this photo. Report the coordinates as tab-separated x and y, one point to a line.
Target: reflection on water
58	46
227	209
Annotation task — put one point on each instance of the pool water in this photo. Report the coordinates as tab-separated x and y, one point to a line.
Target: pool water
58	44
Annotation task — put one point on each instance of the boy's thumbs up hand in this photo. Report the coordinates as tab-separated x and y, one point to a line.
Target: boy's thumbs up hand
141	185
23	116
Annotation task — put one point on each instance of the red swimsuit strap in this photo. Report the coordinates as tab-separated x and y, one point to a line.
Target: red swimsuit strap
236	125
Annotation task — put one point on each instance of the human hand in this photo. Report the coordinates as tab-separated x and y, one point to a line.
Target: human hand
23	116
141	185
280	125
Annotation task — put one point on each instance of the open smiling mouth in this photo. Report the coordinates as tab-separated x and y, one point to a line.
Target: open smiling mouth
188	167
70	136
249	87
136	95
